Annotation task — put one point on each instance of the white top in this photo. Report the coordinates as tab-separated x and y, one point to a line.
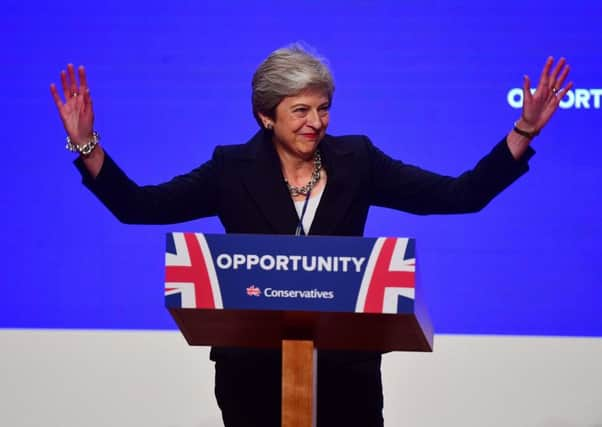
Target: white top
310	212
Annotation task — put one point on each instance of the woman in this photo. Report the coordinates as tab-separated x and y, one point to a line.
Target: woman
293	178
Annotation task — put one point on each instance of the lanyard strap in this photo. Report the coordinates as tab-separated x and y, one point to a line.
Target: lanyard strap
300	231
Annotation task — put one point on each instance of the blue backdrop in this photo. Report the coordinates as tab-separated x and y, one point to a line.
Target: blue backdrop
431	83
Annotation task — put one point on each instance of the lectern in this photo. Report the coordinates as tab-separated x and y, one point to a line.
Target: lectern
297	294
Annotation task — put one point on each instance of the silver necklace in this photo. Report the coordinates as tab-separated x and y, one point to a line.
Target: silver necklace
315	177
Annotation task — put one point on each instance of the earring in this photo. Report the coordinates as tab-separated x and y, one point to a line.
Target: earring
269	126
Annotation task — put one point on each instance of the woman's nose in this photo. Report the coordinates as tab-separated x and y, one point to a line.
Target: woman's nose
314	120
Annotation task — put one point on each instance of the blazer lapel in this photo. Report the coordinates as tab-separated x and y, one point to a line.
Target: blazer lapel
262	177
340	187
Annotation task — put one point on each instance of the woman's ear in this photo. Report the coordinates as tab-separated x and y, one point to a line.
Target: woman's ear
266	121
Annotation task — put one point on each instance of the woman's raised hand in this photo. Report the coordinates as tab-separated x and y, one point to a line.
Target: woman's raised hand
76	112
539	107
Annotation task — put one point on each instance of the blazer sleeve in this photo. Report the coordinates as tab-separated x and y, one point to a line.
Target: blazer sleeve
183	198
408	188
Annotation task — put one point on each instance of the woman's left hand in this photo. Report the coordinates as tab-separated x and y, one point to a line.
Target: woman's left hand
539	107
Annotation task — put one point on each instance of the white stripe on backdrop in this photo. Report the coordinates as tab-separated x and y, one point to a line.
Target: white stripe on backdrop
75	378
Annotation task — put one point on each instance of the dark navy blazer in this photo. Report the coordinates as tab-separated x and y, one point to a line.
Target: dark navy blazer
243	185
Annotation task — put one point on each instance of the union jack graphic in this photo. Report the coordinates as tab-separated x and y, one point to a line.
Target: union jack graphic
190	279
253	291
389	278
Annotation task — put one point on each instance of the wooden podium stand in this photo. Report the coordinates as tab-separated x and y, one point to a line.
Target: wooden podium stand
299	334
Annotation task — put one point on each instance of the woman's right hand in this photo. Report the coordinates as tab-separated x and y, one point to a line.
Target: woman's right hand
77	115
76	112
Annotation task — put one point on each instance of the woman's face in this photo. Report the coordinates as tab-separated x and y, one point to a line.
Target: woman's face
300	123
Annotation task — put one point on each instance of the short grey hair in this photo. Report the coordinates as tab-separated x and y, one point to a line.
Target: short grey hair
288	71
